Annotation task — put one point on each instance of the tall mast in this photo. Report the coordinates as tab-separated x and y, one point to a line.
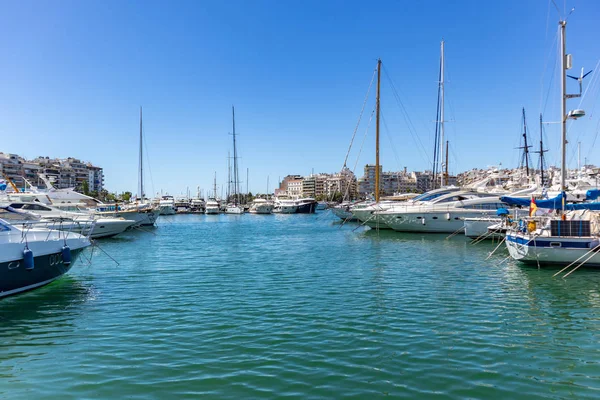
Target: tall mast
442	180
446	164
525	146
541	151
215	186
563	105
377	132
235	168
228	175
141	177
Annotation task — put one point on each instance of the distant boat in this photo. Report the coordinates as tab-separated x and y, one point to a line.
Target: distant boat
306	206
261	206
285	206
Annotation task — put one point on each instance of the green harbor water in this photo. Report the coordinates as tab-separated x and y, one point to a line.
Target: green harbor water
298	306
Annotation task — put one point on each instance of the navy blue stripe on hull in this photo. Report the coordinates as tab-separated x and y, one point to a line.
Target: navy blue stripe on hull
588	244
14	278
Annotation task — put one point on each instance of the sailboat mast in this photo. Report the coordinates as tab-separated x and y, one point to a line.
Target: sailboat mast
141	177
563	105
377	132
525	147
215	186
541	152
442	178
235	168
446	164
228	175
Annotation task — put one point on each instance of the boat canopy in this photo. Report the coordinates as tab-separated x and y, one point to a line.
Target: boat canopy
555	203
583	206
592	194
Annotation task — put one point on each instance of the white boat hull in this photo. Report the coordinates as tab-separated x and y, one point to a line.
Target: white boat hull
167	210
234	210
480	227
262	209
546	251
430	222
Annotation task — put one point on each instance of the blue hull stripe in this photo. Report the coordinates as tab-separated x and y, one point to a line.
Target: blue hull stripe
565	244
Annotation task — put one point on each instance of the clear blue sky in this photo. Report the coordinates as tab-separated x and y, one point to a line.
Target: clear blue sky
74	74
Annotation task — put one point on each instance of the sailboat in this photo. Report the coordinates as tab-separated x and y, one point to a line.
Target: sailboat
572	237
374	214
345	210
142	211
235	208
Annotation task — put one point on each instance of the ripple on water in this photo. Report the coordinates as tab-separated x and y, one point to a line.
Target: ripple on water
296	306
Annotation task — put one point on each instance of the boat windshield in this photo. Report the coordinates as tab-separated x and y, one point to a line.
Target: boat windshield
428	196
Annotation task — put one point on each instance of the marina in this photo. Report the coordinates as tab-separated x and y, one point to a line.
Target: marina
146	258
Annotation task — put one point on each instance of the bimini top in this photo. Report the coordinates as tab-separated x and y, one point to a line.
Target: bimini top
592	194
555	203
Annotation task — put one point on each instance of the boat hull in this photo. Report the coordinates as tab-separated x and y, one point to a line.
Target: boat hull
429	222
285	209
306	208
547	251
48	263
476	228
47	268
262	209
167	210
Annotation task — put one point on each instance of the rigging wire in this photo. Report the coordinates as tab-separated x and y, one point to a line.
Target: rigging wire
389	136
360	117
360	150
147	158
592	84
406	116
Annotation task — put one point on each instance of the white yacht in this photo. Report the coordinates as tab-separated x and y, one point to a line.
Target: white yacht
285	206
442	215
344	210
368	213
166	205
212	207
82	223
142	214
234	209
261	206
32	256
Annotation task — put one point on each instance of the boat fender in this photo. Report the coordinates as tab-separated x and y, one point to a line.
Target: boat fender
448	216
28	259
423	220
66	255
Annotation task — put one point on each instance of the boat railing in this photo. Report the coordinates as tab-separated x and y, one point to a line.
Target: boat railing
63	226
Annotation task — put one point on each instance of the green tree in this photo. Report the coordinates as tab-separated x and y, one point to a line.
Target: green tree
126	196
85	188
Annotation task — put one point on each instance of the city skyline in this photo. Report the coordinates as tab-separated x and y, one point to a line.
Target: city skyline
77	73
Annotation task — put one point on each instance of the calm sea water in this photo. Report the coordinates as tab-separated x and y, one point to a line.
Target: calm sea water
296	306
